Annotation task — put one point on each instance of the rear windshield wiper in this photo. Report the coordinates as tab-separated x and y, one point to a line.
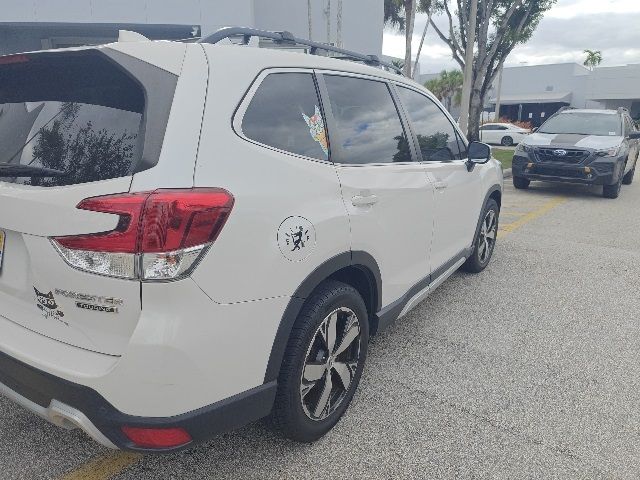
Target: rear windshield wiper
13	170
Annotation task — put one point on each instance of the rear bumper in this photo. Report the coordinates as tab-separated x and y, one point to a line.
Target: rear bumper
601	172
71	405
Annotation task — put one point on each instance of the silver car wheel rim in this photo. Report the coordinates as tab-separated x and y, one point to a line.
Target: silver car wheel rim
330	364
488	234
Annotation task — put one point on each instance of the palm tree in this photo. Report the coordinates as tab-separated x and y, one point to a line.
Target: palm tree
436	87
400	14
447	87
594	58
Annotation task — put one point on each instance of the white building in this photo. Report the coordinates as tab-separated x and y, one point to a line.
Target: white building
27	25
531	93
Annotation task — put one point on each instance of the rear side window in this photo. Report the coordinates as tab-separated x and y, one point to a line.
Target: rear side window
67	119
368	126
437	137
285	114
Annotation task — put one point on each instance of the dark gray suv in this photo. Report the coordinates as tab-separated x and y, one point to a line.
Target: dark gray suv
593	147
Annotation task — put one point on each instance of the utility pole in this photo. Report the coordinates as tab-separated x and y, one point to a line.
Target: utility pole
310	19
328	14
468	67
339	25
498	94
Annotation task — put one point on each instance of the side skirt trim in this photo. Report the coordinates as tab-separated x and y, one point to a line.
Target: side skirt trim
393	311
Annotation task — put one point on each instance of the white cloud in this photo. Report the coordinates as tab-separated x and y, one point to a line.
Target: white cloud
567	29
576	8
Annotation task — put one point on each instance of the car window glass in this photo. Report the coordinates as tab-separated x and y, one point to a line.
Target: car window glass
437	137
285	114
368	127
78	117
583	123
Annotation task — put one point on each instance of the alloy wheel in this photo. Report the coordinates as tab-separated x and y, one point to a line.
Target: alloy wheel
330	364
487	237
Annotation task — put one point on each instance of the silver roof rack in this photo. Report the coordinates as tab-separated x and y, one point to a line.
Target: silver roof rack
286	39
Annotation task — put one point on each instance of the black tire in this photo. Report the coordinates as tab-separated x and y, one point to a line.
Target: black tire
506	141
289	416
478	261
613	191
628	178
521	183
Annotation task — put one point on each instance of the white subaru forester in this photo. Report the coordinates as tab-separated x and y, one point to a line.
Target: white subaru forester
194	236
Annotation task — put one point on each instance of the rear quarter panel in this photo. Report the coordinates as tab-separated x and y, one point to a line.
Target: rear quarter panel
246	262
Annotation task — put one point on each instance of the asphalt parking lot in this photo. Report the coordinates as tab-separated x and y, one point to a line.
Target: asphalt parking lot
528	370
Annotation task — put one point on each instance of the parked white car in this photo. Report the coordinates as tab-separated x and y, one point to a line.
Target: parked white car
196	236
505	134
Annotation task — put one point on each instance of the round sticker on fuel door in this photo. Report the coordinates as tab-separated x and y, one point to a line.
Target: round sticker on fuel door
296	238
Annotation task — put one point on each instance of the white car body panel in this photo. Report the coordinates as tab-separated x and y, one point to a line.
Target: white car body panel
255	175
166	55
178	346
517	134
401	221
459	197
175	168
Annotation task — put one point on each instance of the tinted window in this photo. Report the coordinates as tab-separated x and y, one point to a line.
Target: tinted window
285	114
603	124
79	115
436	135
368	126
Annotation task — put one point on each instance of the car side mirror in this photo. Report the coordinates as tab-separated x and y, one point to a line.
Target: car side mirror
479	153
634	136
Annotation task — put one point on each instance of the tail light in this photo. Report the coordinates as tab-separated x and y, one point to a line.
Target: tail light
160	236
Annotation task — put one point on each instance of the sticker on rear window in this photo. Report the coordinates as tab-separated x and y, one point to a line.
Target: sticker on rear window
47	304
317	130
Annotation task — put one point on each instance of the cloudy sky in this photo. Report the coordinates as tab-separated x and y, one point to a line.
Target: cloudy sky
571	26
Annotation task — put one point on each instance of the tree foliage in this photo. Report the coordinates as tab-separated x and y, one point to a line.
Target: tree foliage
594	58
86	154
501	25
400	14
447	87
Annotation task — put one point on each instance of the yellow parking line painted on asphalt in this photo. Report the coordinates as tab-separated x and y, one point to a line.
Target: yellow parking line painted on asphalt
545	208
103	467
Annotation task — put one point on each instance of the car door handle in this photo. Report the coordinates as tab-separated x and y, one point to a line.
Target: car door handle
364	201
440	185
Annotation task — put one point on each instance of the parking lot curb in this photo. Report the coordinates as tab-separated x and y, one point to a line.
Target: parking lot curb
507	173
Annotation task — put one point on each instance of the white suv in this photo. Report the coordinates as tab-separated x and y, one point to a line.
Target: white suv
196	236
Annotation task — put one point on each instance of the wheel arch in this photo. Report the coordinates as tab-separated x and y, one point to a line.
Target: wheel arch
358	269
494	193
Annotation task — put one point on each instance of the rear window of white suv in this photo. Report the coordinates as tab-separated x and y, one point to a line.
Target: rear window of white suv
67	119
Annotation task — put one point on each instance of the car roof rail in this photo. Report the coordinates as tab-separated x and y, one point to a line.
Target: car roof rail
288	39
